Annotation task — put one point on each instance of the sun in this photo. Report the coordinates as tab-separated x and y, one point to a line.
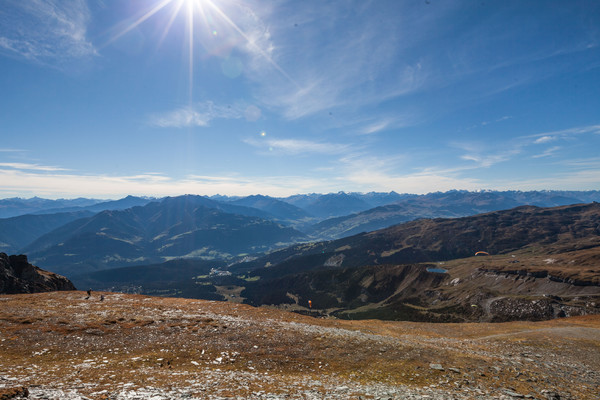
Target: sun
189	9
201	18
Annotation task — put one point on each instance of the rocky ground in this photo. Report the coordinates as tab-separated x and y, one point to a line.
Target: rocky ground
61	346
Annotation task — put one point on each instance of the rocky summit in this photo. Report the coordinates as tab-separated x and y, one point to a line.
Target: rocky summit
17	275
66	345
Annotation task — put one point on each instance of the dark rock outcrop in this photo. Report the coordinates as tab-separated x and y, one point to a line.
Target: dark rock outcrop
18	276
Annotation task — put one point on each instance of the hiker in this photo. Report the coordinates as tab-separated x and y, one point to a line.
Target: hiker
89	293
101	297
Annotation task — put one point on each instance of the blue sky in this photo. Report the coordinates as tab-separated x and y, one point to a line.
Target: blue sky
166	97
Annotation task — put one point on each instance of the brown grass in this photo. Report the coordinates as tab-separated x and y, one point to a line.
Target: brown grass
163	342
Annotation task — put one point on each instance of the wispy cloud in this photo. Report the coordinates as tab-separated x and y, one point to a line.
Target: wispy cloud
546	137
337	86
483	156
491	122
378	126
484	123
198	115
296	147
570	136
353	66
368	63
548	152
486	155
487	160
51	32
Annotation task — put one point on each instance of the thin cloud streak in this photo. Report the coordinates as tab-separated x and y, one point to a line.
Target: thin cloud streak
32	167
295	146
338	88
548	152
564	134
485	123
544	139
488	160
377	126
481	155
198	115
485	159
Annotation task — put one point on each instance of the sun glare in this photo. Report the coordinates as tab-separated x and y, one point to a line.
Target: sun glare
193	12
200	16
205	21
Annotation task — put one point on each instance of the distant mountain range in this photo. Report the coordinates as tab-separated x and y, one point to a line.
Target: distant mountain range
185	226
277	209
318	206
73	236
331	205
450	204
18	232
14	207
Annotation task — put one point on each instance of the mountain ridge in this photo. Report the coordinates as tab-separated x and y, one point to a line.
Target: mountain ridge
18	232
438	239
175	227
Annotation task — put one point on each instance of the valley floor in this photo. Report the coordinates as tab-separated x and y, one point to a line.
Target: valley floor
61	346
